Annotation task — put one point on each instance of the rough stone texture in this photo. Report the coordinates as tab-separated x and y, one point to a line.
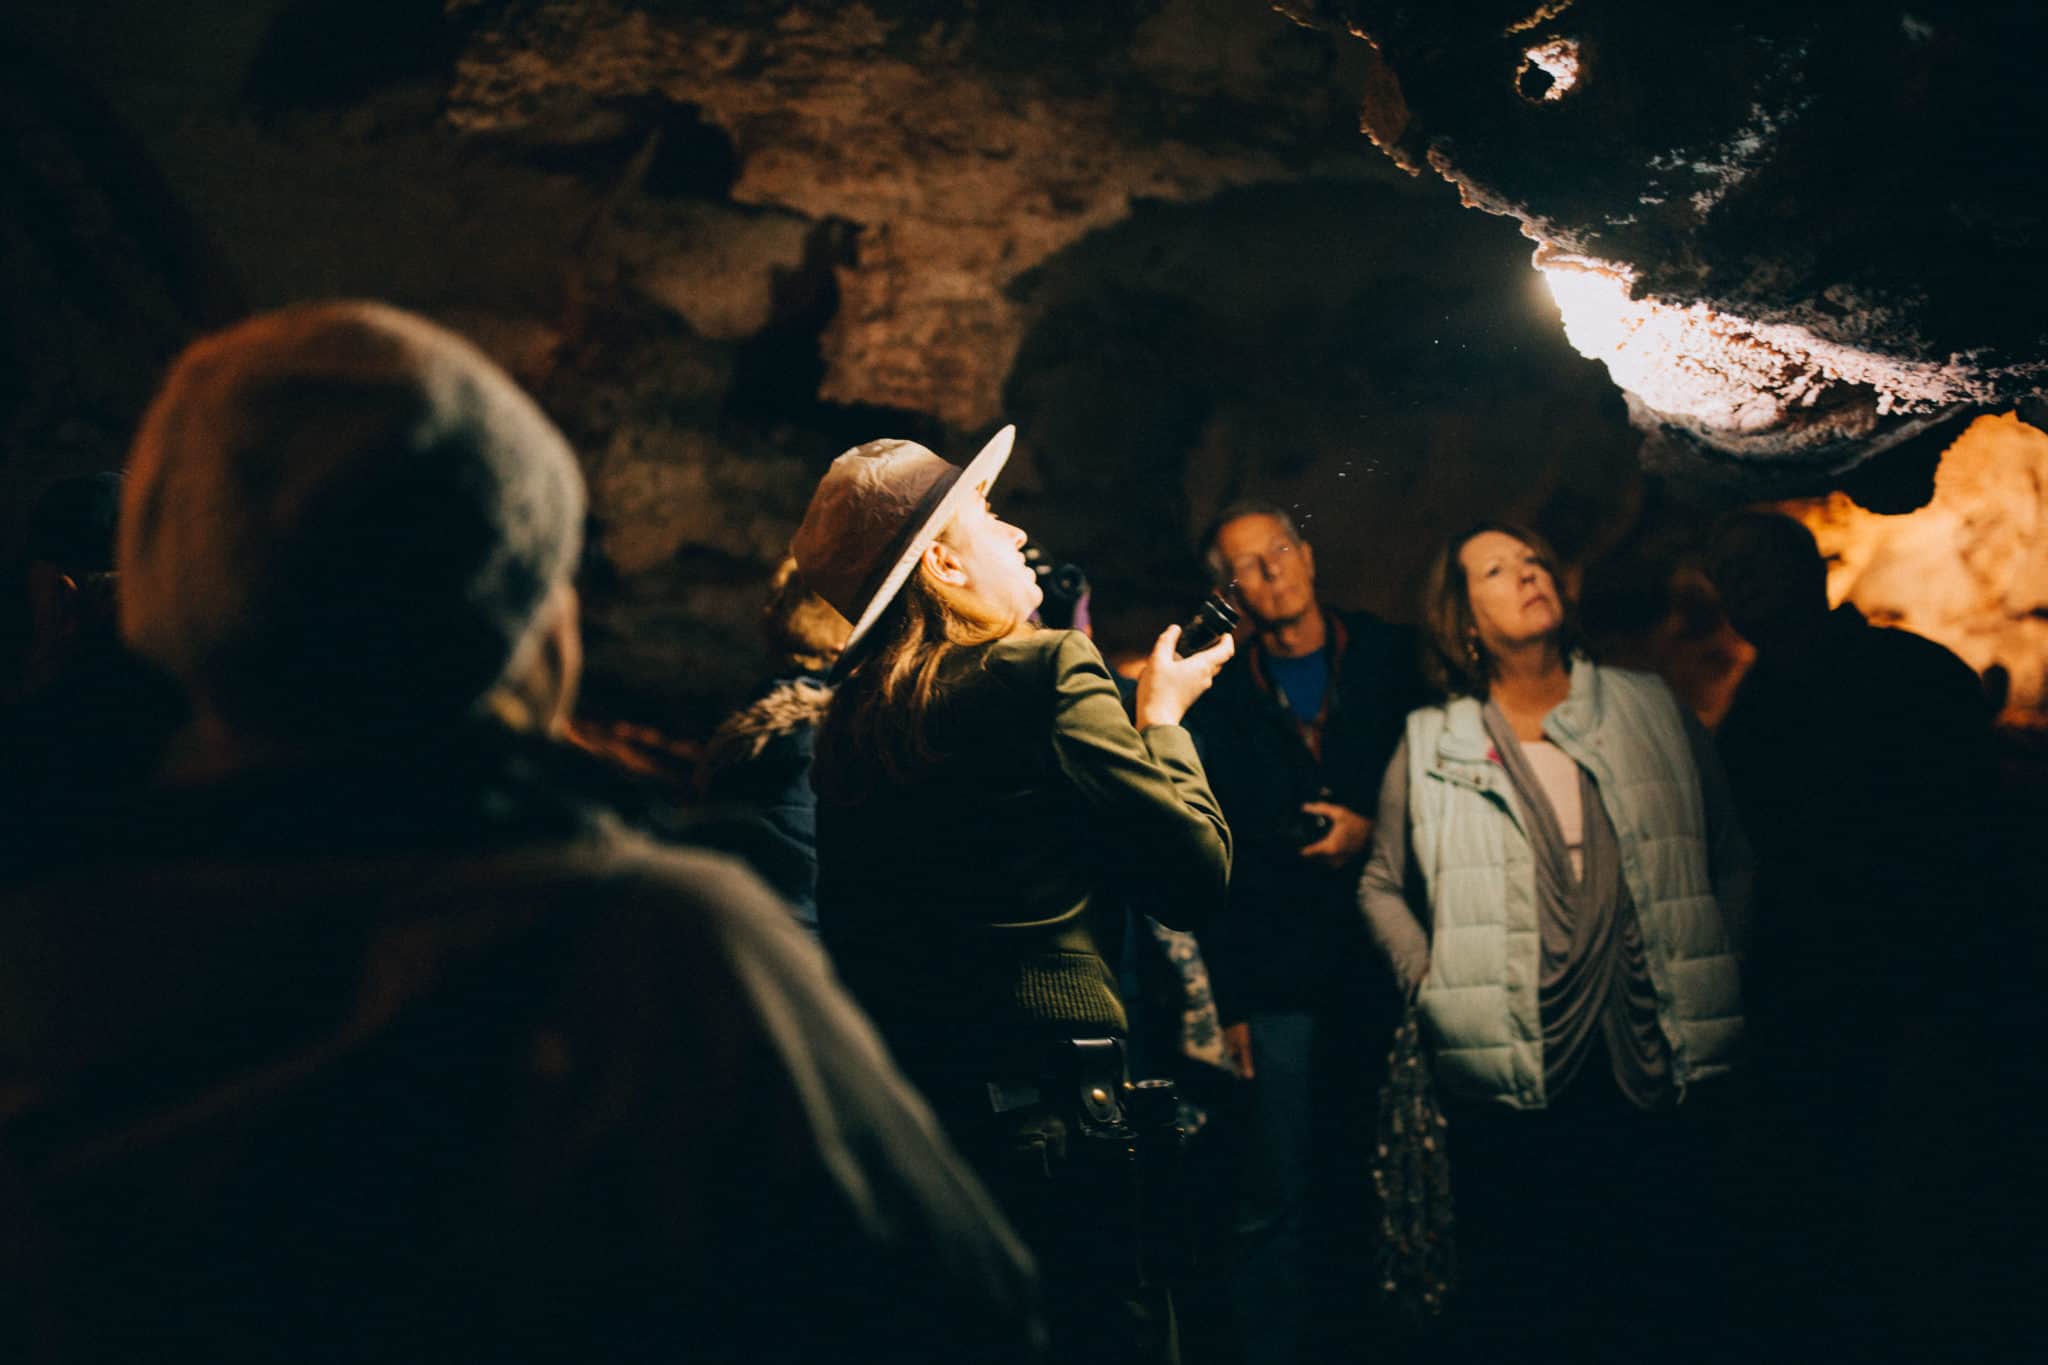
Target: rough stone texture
1970	569
1251	345
724	241
1799	234
688	515
961	161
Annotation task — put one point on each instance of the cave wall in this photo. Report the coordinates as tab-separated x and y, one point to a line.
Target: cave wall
722	242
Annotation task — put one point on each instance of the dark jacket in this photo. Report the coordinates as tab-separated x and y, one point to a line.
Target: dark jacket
757	775
971	909
422	1059
1291	927
1861	762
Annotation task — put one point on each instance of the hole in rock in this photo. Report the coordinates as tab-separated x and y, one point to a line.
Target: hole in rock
1549	71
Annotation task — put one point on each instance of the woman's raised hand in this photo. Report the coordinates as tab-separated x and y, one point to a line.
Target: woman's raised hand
1170	684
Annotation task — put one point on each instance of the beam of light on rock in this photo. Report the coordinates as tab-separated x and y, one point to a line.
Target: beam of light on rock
1729	375
1685	362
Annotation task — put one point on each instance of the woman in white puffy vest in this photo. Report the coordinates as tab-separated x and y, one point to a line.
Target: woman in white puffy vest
1558	878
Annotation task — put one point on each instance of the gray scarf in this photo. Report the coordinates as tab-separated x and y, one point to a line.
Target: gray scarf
1595	982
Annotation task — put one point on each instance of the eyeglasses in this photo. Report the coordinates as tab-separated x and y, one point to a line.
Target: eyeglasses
1276	557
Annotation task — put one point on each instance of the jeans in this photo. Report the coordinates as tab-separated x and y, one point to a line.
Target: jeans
1269	1292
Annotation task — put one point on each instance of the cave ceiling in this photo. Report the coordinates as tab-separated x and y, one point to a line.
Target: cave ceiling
1798	234
722	240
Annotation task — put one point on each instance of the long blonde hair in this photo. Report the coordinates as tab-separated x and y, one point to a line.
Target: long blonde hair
876	728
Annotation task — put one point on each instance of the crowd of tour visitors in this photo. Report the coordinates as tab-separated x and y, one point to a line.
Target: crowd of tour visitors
970	1001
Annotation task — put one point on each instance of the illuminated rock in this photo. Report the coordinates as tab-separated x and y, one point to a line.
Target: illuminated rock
1970	569
1797	234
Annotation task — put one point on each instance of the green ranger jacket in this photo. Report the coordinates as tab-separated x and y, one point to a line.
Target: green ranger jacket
975	909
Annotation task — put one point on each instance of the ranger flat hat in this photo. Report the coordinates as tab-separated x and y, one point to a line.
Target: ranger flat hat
874	514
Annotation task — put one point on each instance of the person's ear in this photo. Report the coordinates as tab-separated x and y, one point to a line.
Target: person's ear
1308	560
537	695
563	649
943	562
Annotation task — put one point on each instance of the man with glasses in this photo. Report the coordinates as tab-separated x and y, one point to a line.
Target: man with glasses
1296	734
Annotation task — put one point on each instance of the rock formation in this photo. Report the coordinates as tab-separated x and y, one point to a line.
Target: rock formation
936	134
1799	235
724	240
1970	569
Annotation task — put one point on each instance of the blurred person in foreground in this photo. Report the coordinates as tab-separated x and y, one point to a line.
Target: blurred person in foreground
986	813
1557	871
367	1037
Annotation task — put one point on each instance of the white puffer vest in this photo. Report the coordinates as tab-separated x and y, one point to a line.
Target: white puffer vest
1479	999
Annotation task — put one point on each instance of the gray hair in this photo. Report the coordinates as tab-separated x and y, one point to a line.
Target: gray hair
341	517
1212	555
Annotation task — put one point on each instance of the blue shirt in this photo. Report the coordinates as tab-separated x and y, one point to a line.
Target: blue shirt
1301	681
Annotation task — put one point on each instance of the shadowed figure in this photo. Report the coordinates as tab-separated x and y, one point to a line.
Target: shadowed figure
1860	759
